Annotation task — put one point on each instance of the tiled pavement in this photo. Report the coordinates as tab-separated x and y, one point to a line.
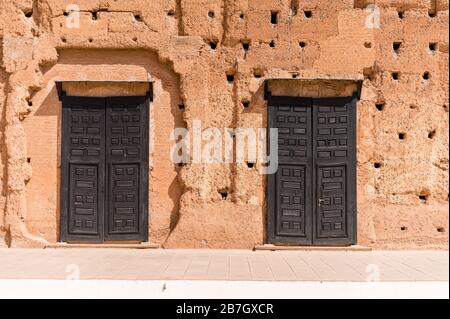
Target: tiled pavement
235	265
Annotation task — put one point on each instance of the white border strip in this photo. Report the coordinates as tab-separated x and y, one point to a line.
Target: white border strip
182	289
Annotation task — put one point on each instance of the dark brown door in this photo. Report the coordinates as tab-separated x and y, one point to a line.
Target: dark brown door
312	196
104	169
290	188
127	168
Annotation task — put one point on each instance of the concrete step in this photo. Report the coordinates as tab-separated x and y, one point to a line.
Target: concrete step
129	246
312	248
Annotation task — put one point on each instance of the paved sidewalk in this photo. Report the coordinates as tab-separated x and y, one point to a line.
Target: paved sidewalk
235	265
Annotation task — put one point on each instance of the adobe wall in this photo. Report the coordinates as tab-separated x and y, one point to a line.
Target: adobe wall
191	48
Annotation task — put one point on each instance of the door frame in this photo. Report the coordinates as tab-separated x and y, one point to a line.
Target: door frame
64	235
272	238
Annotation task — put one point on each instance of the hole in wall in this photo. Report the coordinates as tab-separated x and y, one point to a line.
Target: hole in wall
308	14
295	75
433	46
135	39
432	13
242	16
413	106
424	194
302	44
250	164
213	44
138	17
377	165
65	13
94	15
64	40
426	75
401	136
223	193
423	198
403	228
211	14
28	13
395	75
274	17
396	46
181	107
369	74
230	77
359	4
272	44
30	103
28	159
440	229
90	40
246	44
401	14
246	104
257	73
380	106
171	13
367	45
432	134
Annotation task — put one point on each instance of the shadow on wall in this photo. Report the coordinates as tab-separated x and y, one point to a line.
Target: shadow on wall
123	65
4	231
255	106
50	106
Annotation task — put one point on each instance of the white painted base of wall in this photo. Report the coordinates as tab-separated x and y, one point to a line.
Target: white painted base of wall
190	289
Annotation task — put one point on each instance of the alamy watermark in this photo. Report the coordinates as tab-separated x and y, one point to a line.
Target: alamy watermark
73	16
238	145
73	272
373	273
374	17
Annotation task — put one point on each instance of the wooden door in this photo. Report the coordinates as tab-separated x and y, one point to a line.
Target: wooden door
104	169
312	196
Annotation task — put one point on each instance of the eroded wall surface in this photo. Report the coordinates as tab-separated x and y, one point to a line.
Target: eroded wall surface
209	60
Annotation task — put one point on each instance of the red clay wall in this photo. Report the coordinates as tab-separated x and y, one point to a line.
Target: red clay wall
188	47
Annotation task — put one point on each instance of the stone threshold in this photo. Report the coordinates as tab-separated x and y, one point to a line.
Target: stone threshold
127	246
312	248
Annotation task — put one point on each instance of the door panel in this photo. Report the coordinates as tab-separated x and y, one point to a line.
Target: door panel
82	168
312	196
127	162
291	201
290	187
334	120
84	214
104	169
123	206
332	202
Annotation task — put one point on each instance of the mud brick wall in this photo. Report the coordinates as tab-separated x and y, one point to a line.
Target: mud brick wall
208	60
